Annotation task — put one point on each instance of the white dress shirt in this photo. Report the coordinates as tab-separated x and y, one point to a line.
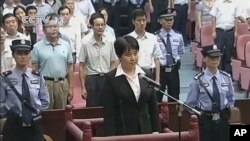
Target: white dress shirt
149	49
181	2
133	81
74	36
225	13
85	7
8	9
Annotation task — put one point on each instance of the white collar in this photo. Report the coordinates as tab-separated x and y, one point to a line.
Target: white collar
5	5
135	35
119	71
34	3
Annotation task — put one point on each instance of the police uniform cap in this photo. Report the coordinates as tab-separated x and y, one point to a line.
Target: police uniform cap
168	13
21	44
211	51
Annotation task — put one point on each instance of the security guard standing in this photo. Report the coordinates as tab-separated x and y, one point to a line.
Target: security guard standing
172	47
212	93
23	95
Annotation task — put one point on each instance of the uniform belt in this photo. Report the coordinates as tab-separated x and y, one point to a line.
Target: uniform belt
225	30
210	113
152	70
180	4
99	74
54	78
171	66
109	3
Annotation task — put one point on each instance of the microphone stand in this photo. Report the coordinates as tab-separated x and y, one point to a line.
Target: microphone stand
179	108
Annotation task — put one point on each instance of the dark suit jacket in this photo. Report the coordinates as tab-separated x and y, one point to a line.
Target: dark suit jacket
123	115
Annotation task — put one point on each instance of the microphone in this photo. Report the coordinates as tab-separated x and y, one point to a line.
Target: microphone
149	80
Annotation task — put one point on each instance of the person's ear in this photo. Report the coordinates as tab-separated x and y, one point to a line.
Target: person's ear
133	21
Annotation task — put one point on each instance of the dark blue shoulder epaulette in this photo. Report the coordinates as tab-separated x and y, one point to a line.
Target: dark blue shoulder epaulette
157	32
36	73
197	76
7	73
225	73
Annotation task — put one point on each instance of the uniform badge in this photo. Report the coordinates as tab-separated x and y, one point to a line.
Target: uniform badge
216	117
34	81
215	47
224	84
22	41
175	40
13	81
168	69
206	84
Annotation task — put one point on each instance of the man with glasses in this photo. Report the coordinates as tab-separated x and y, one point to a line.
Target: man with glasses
172	47
52	56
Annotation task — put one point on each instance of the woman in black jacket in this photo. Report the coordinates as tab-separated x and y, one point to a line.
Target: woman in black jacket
130	106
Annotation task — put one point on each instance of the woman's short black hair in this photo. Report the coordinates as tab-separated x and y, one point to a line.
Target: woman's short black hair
95	16
124	44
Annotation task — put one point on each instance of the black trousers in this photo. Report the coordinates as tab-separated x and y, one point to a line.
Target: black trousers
214	130
94	85
225	41
74	57
172	80
180	20
14	131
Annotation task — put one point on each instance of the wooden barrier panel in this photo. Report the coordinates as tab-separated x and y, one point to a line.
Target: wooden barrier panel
86	134
243	105
54	120
54	124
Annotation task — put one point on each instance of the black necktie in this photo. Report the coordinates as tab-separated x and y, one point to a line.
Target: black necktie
216	97
170	58
26	113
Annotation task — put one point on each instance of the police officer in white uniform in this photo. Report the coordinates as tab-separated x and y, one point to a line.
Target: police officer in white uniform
23	95
212	93
172	47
